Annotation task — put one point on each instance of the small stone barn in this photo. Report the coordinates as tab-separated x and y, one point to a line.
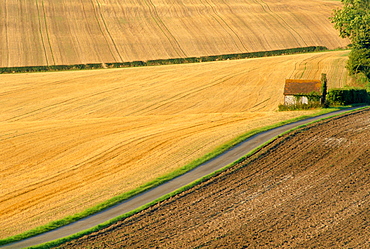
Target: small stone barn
301	91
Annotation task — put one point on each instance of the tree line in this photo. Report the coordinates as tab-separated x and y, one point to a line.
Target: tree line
161	61
353	22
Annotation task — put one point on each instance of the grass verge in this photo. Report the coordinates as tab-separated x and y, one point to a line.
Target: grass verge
158	181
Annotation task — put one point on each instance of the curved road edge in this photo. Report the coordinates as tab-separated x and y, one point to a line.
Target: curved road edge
228	157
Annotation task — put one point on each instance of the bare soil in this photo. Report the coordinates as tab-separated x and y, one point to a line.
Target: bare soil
306	189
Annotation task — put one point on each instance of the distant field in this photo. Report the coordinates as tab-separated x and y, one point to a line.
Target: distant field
49	32
70	140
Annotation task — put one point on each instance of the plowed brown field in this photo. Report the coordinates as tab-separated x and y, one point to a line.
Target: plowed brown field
70	140
307	189
48	32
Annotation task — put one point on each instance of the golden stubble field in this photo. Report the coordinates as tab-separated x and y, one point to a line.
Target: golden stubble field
70	140
49	32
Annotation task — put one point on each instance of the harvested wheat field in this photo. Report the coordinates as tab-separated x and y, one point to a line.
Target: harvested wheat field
70	140
49	32
308	189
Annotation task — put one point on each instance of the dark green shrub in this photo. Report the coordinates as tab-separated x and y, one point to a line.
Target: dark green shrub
347	96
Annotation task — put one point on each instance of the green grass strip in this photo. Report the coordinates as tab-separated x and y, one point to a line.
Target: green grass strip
120	198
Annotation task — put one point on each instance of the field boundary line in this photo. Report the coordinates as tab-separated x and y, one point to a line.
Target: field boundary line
201	169
168	61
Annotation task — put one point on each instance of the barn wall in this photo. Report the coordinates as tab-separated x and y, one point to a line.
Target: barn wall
292	100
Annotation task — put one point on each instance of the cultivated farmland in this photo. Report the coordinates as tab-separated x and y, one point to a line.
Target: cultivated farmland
309	189
74	139
49	32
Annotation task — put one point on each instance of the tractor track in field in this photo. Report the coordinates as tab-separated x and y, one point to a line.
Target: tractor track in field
230	31
107	30
47	33
40	30
168	187
100	19
6	33
162	26
279	19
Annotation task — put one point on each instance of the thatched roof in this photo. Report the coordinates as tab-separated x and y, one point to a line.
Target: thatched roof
302	87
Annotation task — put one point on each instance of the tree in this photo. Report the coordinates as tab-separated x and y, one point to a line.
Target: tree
324	90
353	21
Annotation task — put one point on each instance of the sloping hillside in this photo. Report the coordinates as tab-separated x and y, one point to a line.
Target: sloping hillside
49	32
309	189
74	139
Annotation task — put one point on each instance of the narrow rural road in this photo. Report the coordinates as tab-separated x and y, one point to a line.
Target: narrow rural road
214	164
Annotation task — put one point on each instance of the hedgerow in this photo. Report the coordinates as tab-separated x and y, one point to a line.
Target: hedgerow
161	61
347	96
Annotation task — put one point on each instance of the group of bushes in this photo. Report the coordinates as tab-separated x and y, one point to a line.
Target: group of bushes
348	96
50	68
295	107
335	97
161	61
